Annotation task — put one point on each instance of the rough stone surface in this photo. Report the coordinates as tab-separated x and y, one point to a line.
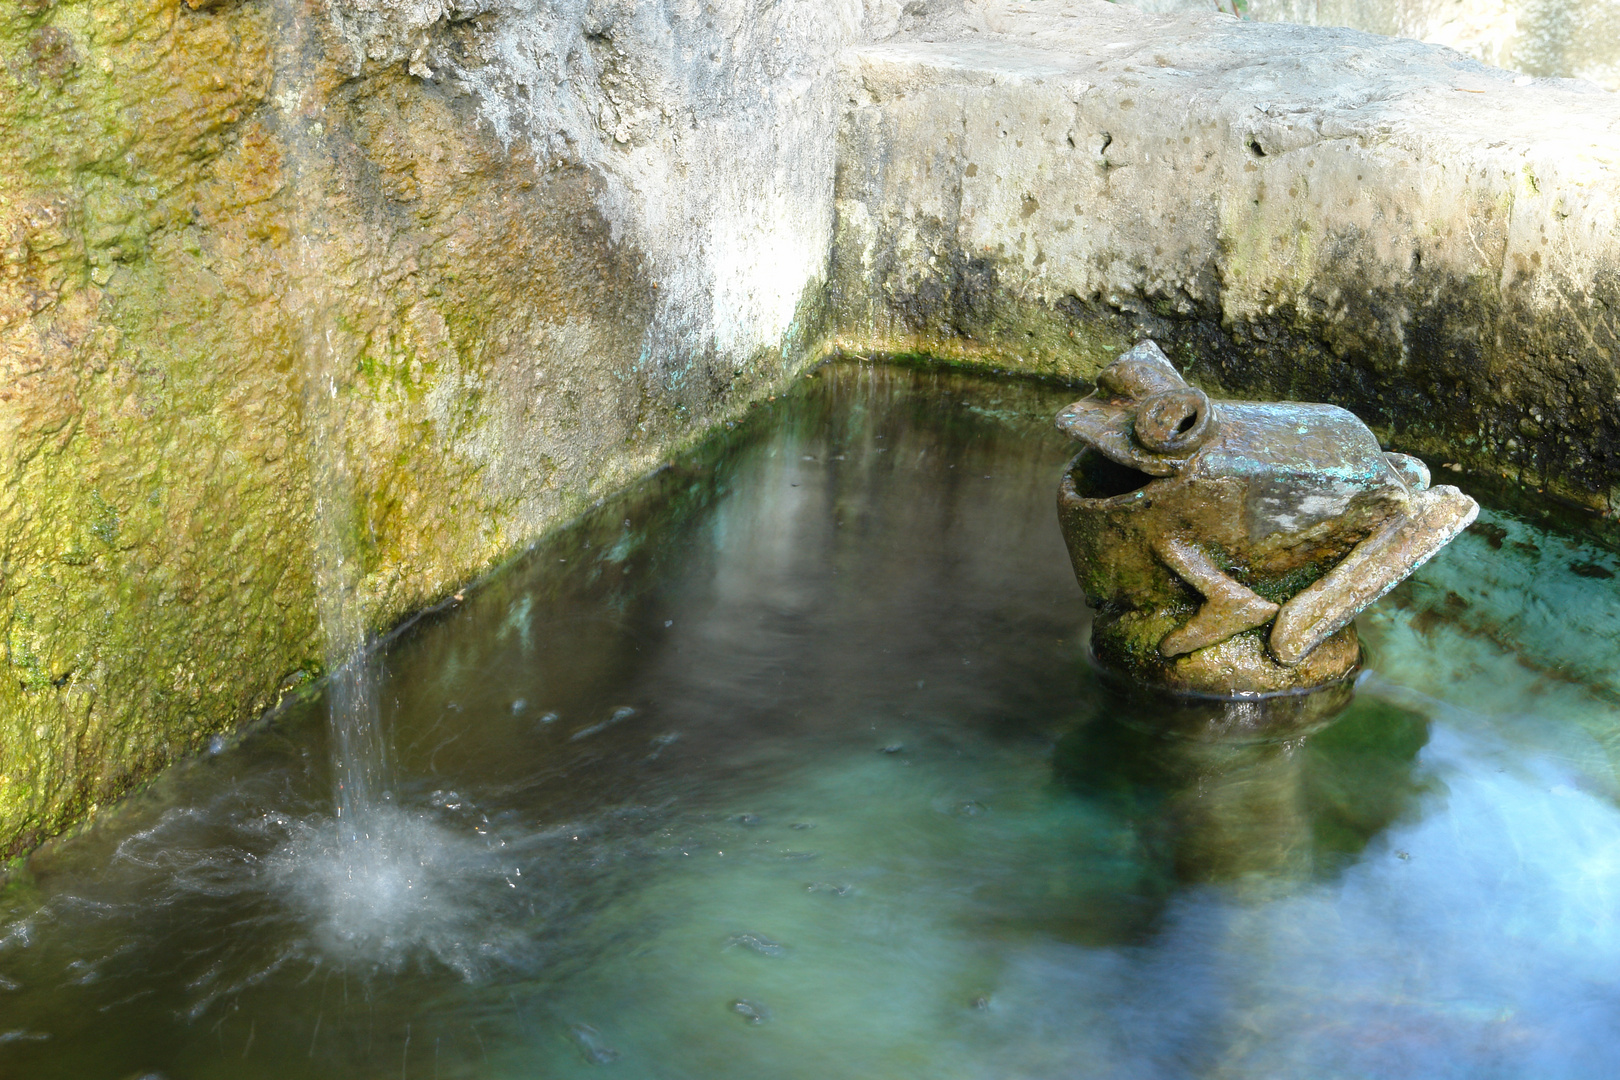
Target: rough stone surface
538	246
1289	211
1568	38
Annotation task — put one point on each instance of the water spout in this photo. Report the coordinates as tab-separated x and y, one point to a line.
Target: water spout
359	748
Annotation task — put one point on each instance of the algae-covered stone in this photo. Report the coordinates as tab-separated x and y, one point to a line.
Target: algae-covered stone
154	584
512	320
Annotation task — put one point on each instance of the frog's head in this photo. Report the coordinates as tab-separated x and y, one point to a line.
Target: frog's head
1143	414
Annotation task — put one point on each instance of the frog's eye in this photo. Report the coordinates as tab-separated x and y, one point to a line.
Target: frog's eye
1174	422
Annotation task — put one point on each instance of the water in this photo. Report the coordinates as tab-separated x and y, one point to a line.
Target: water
788	765
371	862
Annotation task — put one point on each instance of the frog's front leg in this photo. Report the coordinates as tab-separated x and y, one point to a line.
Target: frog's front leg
1229	607
1373	567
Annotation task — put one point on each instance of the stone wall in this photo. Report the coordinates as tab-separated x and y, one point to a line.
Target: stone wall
532	246
542	244
1290	211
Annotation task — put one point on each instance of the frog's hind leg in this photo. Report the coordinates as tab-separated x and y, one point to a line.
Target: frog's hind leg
1373	567
1229	607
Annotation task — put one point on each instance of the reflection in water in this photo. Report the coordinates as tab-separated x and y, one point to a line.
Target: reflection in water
1260	792
790	765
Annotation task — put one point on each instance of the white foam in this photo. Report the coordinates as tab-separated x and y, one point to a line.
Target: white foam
407	888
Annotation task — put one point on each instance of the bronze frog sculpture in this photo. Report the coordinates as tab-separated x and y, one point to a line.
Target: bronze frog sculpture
1226	546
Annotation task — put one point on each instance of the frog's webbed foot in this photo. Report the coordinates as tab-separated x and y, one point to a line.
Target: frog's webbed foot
1373	567
1413	473
1229	607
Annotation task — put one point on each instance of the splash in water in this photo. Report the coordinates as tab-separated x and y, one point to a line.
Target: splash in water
407	885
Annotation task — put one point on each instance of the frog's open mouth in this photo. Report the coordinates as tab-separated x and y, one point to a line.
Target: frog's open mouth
1097	476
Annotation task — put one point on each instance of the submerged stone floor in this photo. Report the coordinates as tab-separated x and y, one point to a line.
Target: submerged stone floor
529	250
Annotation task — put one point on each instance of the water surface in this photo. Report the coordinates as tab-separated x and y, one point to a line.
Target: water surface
788	764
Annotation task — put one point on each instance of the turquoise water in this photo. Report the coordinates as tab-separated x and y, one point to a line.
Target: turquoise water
789	765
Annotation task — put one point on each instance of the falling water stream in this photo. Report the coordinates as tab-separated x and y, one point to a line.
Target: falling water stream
363	871
331	411
788	763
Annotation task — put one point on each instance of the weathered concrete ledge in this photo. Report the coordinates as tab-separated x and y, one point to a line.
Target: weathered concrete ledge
1289	211
548	243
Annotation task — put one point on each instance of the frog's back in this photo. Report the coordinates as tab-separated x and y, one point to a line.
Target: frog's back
1300	465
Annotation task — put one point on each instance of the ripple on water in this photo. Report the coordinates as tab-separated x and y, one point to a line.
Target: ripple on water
757	943
751	1011
592	1046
